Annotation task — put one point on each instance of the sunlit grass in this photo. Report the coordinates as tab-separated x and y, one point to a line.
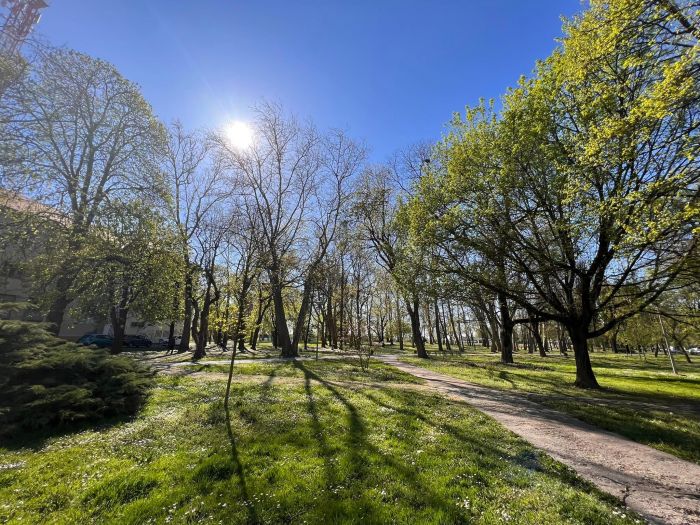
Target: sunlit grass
300	450
641	398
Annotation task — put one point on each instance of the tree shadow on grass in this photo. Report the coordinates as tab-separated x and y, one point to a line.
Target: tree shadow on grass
356	437
330	472
362	452
36	440
240	471
485	448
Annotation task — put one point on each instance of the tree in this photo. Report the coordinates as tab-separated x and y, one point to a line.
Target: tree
375	207
207	249
194	191
132	261
595	163
87	137
296	181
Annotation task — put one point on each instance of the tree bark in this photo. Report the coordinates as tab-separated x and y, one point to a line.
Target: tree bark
538	337
187	322
506	330
414	315
118	314
171	330
585	378
438	334
399	324
57	310
301	318
282	330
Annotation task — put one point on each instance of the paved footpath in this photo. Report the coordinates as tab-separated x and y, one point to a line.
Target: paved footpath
659	486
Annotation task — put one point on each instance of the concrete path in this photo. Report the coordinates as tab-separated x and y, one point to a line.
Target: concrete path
659	486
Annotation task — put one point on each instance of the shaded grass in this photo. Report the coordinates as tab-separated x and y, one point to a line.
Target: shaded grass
640	399
346	369
302	451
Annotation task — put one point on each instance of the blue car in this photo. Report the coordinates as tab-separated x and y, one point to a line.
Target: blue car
137	341
98	340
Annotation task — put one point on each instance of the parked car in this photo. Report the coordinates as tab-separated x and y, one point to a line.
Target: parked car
163	341
694	351
136	341
99	340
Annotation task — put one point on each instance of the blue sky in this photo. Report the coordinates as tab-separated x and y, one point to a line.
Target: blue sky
391	72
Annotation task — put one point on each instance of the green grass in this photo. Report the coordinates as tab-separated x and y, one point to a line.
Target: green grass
299	449
263	351
346	369
640	398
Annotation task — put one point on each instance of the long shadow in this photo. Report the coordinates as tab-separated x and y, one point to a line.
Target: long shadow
267	385
326	452
359	447
35	440
486	449
240	471
356	437
563	387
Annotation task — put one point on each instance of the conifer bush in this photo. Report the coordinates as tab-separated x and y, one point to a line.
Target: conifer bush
49	383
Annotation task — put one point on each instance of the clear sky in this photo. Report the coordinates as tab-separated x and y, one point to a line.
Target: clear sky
391	72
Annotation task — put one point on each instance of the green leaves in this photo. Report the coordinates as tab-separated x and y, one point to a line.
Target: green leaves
581	194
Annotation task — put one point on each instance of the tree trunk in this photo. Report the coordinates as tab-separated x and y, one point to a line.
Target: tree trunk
242	300
429	320
262	310
281	328
187	322
118	316
306	332
613	341
330	320
194	330
301	318
171	331
202	333
438	333
506	330
414	315
57	311
399	323
585	378
342	303
456	329
538	337
493	329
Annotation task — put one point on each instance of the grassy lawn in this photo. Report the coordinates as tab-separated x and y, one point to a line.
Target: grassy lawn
640	398
299	449
264	350
345	369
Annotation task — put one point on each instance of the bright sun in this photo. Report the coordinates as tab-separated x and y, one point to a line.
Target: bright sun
239	134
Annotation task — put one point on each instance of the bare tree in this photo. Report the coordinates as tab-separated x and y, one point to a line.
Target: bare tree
375	208
194	191
296	181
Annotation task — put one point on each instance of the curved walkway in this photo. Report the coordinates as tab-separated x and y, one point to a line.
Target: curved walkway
659	486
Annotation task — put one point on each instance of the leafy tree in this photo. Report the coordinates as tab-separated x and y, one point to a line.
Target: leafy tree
591	173
85	137
375	208
132	260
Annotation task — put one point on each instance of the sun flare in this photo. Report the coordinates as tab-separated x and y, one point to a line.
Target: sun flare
239	134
